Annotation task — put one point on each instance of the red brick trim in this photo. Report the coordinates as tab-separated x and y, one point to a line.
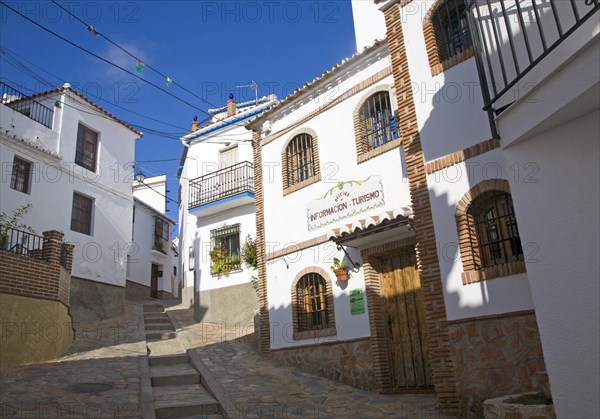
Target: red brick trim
362	154
297	247
311	334
441	361
316	177
375	78
466	236
264	339
459	156
432	39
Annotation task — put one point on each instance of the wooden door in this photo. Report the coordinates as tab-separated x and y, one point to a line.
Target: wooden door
404	321
154	281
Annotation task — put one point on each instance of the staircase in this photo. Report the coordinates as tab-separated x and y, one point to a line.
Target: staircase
176	384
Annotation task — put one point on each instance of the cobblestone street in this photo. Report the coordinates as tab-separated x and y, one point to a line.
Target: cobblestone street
105	374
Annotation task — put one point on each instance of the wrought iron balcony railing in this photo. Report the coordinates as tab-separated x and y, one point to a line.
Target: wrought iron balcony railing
221	184
511	37
32	109
22	242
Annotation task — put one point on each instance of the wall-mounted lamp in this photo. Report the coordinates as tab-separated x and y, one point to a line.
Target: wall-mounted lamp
139	176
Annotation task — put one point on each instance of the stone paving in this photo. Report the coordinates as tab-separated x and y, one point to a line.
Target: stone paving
260	388
248	385
104	353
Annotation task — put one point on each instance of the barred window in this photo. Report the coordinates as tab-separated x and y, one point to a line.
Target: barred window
451	27
494	233
311	292
377	125
161	235
20	178
300	160
225	250
81	214
86	152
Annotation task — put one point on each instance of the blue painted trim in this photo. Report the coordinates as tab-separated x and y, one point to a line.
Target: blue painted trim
227	123
222	201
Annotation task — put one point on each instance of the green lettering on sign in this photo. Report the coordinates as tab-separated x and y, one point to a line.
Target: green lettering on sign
357	301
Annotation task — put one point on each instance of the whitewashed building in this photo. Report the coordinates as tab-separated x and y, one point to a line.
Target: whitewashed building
389	163
151	261
72	160
217	212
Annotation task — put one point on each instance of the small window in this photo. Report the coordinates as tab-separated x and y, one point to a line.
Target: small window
87	148
496	236
300	162
161	235
377	125
451	27
81	214
21	175
311	291
174	270
225	250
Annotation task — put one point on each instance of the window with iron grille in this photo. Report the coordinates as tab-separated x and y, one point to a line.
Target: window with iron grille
86	152
161	234
311	294
493	229
20	178
377	125
81	214
299	159
225	250
451	28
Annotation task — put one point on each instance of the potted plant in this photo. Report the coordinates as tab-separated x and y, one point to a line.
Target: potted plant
340	269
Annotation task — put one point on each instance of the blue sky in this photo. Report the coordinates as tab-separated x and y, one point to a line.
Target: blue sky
209	47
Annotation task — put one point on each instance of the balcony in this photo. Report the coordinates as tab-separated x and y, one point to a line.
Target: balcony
512	38
32	109
221	190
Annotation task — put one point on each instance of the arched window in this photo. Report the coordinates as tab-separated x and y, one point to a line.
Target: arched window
377	125
312	305
494	225
447	34
300	161
489	240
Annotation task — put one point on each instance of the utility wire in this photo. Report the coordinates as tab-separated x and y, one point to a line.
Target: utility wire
102	58
89	27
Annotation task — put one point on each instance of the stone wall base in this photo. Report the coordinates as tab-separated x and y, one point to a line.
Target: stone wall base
229	305
33	330
349	361
92	301
136	292
493	357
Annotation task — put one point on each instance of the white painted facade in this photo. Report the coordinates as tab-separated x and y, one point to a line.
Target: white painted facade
338	163
55	177
147	249
369	24
223	142
556	129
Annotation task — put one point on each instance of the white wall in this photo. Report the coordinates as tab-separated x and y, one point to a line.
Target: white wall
560	212
446	189
152	192
369	23
100	256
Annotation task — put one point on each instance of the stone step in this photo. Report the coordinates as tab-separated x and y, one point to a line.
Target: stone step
157	320
179	374
169	359
161	334
175	401
159	326
155	308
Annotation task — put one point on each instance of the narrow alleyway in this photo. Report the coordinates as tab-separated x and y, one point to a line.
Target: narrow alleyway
157	362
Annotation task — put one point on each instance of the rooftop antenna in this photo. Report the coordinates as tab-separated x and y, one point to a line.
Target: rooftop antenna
252	85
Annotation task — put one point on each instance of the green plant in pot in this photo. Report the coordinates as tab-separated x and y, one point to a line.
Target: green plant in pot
14	222
340	269
250	259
